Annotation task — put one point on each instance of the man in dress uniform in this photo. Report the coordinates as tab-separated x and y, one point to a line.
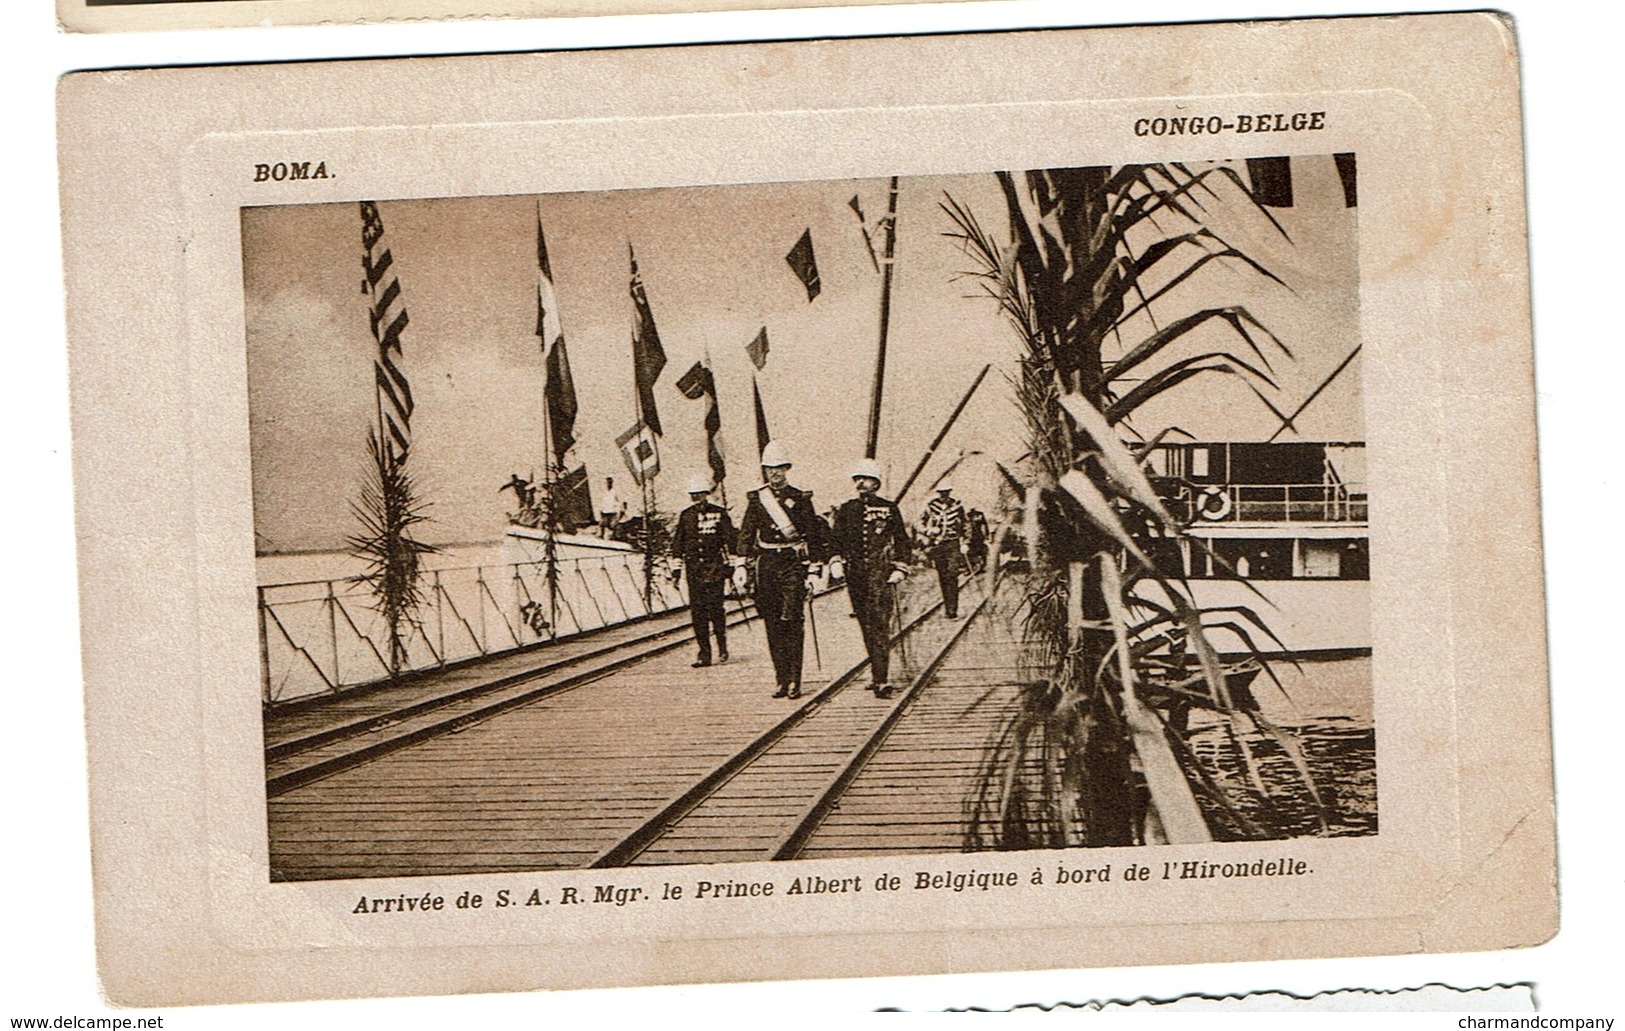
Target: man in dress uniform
702	543
942	531
873	547
784	536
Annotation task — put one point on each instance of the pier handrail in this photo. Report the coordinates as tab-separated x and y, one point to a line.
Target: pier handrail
327	635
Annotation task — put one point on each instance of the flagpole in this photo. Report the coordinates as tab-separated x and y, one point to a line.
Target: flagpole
550	544
885	319
550	547
942	433
642	477
722	484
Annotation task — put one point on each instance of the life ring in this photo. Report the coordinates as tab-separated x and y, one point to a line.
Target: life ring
1216	512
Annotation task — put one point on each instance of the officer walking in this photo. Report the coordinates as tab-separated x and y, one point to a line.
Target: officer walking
788	542
873	547
702	543
942	530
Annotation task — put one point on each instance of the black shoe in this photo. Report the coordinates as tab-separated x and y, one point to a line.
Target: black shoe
795	691
782	692
951	615
885	691
701	662
722	656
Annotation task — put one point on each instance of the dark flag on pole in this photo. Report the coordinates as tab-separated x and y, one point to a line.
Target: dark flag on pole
863	225
560	389
641	451
762	436
561	401
757	348
572	500
388	317
1272	181
803	264
696	384
648	357
1345	171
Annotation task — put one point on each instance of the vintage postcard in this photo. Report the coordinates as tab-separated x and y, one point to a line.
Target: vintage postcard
844	508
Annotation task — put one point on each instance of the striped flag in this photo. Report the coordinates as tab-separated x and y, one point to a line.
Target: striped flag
697	384
388	318
648	357
560	388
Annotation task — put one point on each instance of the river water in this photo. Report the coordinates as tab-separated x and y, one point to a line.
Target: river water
1328	720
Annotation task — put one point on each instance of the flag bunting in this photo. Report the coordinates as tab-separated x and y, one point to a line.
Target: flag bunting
762	436
804	265
757	348
387	315
640	448
696	384
1272	181
648	357
560	387
572	500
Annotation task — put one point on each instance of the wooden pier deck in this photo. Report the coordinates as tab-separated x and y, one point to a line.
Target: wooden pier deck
613	751
549	784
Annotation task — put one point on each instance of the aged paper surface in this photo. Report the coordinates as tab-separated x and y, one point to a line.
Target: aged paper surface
136	15
210	385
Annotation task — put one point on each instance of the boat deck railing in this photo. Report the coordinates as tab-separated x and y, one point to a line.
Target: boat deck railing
325	636
1277	503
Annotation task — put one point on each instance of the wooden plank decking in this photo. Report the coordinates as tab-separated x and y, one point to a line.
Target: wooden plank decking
550	784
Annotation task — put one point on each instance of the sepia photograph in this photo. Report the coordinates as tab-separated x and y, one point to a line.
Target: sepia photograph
811	520
540	534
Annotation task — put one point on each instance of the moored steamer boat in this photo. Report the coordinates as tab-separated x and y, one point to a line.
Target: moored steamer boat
1291	519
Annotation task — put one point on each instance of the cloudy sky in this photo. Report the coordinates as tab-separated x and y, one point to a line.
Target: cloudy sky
713	263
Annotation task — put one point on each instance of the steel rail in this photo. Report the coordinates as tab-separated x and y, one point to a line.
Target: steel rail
813	816
652	829
639	649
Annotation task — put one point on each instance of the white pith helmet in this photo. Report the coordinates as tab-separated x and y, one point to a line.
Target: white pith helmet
699	483
866	468
774	456
945	485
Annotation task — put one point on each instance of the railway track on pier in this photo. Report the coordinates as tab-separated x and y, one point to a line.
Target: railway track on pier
770	799
662	764
308	740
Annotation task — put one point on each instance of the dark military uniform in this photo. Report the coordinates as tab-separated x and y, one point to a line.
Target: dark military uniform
781	561
978	540
871	541
704	539
943	529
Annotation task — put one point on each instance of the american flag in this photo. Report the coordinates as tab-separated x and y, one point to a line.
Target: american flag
388	317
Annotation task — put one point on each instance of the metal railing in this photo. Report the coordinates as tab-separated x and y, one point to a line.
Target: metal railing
324	636
1276	503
